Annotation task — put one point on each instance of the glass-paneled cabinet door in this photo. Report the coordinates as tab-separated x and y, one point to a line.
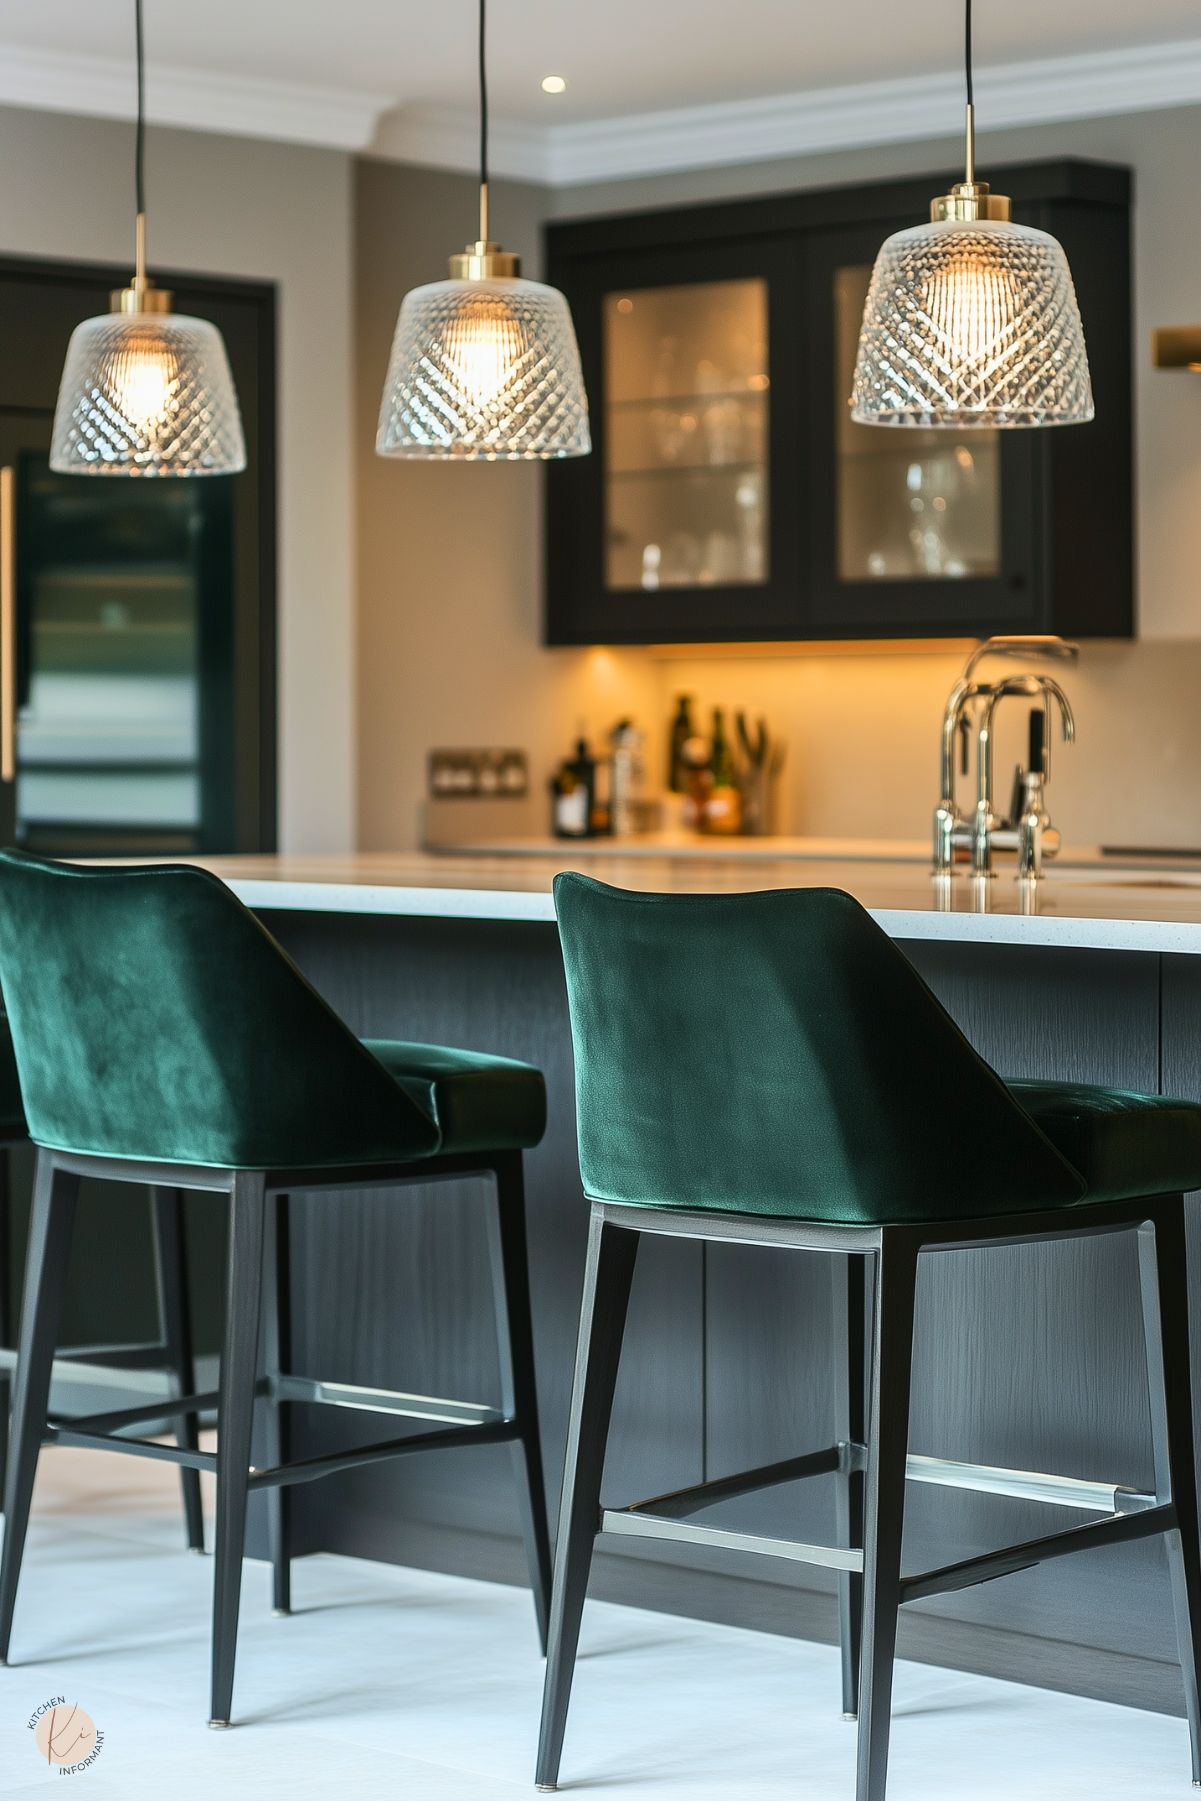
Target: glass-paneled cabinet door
921	528
672	533
687	464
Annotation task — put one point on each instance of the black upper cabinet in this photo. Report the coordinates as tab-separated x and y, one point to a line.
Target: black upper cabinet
729	496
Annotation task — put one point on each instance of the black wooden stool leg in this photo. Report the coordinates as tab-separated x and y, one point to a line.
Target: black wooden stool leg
239	1379
850	1428
1164	1282
515	1341
6	1251
54	1199
607	1276
5	1411
175	1319
884	1501
277	1354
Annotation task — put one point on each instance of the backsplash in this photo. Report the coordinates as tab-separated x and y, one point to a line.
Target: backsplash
862	735
860	726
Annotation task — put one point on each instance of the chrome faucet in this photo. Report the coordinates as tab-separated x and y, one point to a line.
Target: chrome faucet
1029	831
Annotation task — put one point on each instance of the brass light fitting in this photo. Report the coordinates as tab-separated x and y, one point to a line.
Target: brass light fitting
1177	347
141	296
484	260
969	198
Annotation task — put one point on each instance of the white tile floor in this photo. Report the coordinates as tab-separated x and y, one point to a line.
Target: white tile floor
395	1684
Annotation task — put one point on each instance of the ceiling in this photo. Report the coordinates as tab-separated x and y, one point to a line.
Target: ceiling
398	75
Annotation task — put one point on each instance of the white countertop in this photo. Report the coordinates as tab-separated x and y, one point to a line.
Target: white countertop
1136	909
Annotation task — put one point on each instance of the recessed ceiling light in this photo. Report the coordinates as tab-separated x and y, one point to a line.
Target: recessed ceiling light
553	84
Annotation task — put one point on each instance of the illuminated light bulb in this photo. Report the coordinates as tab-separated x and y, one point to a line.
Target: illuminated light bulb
145	380
975	314
484	347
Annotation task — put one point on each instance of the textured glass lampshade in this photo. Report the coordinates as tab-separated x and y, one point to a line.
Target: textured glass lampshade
484	369
971	323
147	394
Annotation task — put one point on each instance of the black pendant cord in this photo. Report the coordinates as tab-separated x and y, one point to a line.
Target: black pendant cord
139	155
483	101
967	49
484	233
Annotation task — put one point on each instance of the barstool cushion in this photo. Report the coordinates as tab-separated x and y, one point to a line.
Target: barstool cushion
478	1102
1125	1145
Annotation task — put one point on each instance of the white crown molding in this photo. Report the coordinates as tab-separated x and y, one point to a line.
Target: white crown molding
196	100
449	138
1089	85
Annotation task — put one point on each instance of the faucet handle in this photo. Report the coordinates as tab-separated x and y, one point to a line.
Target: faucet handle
1018	795
965	743
1036	755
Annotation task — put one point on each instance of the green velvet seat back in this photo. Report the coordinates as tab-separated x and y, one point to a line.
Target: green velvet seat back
775	1053
153	1018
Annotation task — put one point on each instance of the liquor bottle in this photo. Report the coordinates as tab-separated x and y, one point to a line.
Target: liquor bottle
573	793
681	732
723	805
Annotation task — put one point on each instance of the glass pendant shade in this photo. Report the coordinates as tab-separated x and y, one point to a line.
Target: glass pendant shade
147	393
971	322
484	369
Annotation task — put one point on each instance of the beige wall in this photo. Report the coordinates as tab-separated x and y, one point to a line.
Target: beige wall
450	573
276	212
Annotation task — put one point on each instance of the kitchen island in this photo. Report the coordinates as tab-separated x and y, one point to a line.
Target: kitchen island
1027	1357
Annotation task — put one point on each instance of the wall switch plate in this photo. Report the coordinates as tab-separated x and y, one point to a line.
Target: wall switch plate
477	774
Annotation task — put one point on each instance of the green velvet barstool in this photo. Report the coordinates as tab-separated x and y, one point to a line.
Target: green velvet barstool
163	1036
769	1069
171	1352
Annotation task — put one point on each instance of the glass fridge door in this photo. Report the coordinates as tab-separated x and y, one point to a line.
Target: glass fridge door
123	642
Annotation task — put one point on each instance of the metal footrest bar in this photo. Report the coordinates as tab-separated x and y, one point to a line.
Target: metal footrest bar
132	1447
308	1469
682	1502
1029	1485
1020	1485
1118	1529
382	1400
163	1408
622	1523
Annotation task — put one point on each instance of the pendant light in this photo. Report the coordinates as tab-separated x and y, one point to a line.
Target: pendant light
485	365
971	320
146	391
